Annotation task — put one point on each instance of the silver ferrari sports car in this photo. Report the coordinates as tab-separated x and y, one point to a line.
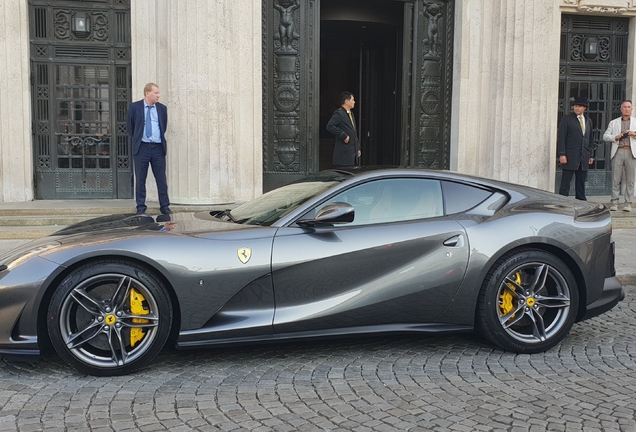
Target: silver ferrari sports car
338	253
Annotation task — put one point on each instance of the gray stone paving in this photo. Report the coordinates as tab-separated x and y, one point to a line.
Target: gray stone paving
412	382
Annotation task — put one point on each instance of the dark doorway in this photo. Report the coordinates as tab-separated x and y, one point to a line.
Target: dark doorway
360	51
593	65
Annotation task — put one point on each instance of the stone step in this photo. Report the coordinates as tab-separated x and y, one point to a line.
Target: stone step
624	223
27	232
99	211
41	220
623	219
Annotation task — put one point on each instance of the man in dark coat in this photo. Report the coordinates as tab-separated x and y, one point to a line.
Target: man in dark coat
575	148
342	125
147	123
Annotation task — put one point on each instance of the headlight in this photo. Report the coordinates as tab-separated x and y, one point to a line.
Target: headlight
20	254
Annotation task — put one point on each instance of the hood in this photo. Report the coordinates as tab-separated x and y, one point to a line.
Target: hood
176	223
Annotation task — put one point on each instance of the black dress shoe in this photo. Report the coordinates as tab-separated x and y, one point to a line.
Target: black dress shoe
141	212
167	211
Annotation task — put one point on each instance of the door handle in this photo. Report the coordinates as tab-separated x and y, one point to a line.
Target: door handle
455	241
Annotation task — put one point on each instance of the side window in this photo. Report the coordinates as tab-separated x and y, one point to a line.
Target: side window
393	200
460	197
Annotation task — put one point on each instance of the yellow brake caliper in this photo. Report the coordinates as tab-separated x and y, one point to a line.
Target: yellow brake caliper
506	297
137	308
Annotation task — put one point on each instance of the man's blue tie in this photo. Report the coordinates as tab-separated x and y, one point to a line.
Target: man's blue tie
148	122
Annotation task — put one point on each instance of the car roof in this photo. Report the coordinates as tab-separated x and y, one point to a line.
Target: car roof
381	171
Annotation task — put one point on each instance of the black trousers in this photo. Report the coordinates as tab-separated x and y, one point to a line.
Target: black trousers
150	155
579	183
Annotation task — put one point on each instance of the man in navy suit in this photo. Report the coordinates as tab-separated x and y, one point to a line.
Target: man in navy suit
147	123
575	149
347	148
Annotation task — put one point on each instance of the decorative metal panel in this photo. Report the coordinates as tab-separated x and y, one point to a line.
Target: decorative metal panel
593	64
430	89
80	62
290	39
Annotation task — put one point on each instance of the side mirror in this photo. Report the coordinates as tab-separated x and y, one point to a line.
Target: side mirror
335	213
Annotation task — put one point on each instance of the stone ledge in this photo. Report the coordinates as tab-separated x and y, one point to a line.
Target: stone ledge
627	279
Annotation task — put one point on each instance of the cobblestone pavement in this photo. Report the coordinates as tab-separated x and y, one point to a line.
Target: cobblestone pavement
412	382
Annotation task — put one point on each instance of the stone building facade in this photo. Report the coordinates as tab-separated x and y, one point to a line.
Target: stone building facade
475	86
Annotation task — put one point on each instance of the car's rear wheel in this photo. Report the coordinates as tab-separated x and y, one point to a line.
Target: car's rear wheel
528	302
109	317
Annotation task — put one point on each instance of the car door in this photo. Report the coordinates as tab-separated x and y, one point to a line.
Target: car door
400	261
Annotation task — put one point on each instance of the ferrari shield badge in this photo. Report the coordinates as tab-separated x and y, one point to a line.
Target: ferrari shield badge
244	254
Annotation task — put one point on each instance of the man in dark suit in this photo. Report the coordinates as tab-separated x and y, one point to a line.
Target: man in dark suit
343	126
147	123
575	148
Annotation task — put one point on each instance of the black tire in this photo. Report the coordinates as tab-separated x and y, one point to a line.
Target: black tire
109	317
528	302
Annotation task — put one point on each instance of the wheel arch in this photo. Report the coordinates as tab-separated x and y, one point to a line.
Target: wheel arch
567	259
44	341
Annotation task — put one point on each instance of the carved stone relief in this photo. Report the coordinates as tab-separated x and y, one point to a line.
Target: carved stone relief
601	6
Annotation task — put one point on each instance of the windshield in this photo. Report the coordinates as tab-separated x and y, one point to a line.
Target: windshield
270	207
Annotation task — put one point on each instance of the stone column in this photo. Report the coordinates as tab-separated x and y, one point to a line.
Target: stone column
206	58
631	69
16	151
505	90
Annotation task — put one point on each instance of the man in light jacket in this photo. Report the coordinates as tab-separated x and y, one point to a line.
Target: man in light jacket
621	132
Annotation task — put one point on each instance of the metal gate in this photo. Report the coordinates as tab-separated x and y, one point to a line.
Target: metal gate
593	64
80	66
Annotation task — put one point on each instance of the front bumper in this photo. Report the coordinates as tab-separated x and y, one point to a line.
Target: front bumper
21	290
612	293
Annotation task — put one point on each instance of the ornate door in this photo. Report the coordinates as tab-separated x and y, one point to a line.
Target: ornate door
291	86
80	63
594	65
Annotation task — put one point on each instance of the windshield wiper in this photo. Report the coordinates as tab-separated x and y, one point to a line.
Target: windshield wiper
224	213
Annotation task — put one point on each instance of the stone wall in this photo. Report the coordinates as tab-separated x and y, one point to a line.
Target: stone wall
16	161
505	90
206	58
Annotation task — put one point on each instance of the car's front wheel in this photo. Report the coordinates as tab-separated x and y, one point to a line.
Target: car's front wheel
109	317
528	302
